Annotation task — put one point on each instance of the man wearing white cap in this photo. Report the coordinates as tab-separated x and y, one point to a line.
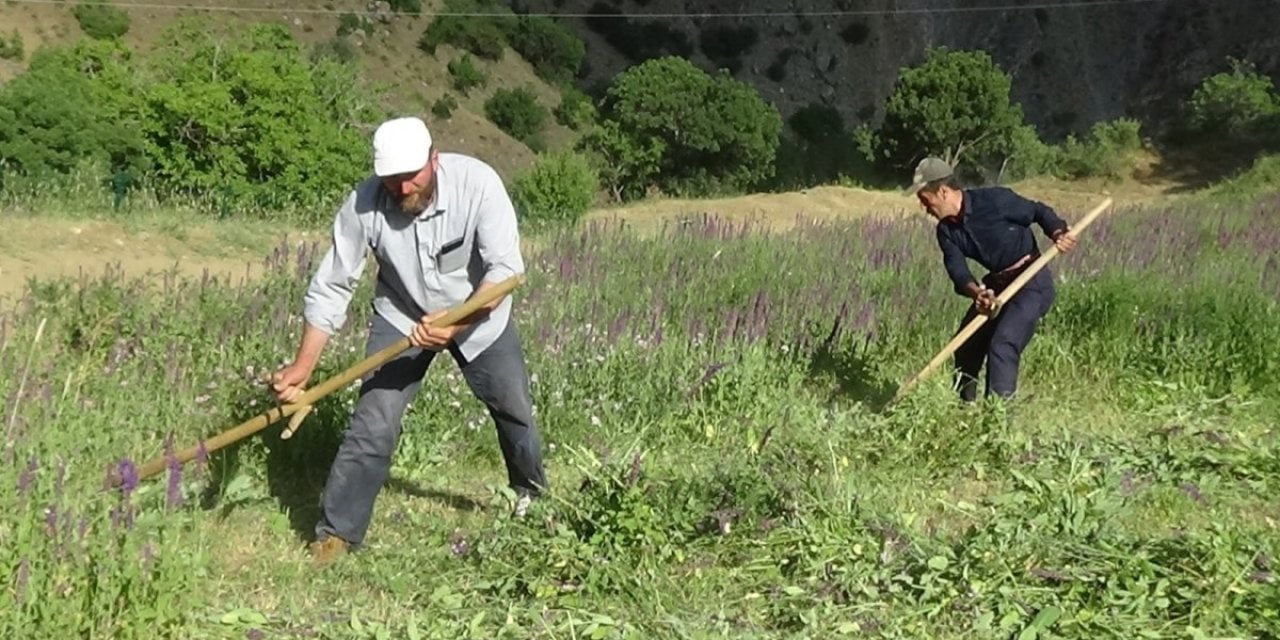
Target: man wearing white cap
441	227
991	225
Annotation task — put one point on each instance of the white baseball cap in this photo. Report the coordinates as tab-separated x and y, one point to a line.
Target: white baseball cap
401	145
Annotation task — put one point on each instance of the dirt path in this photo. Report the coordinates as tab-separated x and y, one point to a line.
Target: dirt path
779	211
53	248
56	247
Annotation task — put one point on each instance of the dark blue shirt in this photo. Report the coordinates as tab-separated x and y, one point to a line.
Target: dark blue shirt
994	229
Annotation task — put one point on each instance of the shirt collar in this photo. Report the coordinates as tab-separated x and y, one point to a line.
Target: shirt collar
443	178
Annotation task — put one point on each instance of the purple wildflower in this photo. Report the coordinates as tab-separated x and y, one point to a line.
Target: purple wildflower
27	476
202	456
128	475
458	543
1192	490
173	494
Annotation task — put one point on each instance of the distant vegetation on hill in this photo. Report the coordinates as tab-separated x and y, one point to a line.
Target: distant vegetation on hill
259	119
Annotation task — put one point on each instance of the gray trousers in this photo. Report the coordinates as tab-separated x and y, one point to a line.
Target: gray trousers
497	377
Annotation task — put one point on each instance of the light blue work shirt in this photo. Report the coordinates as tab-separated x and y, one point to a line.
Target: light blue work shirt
428	263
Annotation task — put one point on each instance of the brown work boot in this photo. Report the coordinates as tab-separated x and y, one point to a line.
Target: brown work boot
327	551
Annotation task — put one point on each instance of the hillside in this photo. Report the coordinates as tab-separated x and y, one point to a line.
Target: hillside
1071	65
389	57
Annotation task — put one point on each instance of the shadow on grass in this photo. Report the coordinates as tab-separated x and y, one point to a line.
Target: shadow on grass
852	374
297	468
455	501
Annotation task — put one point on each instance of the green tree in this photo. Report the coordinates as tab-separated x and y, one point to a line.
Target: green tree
626	164
74	108
517	112
558	189
553	50
485	37
101	21
955	105
1232	103
576	109
250	120
711	134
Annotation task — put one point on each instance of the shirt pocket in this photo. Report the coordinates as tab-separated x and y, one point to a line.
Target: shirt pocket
453	255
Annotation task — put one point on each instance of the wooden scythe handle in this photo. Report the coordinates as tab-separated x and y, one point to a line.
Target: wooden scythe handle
1004	297
302	405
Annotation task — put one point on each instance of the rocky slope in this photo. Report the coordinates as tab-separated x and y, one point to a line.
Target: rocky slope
1071	65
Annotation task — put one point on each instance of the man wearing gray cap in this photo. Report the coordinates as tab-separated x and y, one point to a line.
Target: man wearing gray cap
991	225
441	227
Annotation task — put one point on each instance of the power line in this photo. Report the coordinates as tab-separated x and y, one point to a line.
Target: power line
1066	4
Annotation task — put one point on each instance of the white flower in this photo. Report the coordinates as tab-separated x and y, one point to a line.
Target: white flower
595	421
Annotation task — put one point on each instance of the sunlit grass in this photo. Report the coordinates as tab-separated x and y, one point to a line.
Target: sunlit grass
721	459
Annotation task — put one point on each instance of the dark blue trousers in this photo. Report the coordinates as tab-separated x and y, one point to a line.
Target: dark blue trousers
1002	339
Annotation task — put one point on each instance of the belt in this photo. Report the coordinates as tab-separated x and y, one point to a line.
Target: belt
1003	278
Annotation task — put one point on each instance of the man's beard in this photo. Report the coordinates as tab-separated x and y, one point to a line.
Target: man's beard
416	202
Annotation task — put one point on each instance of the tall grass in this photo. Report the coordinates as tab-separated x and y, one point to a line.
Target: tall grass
712	402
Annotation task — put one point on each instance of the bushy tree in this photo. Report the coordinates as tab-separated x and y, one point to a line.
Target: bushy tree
100	20
553	50
485	37
670	124
955	105
72	109
576	109
559	188
625	163
1232	103
250	120
517	112
466	74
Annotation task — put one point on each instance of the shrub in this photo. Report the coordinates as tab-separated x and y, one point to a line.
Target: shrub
1232	103
855	33
11	47
725	46
443	106
466	74
486	37
554	51
517	112
101	21
638	41
337	48
349	23
1105	153
73	106
558	189
406	6
710	134
576	110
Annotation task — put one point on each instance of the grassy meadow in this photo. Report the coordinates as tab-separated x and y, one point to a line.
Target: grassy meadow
712	403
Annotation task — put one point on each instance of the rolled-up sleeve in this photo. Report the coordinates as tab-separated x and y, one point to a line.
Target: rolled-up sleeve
329	294
497	235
